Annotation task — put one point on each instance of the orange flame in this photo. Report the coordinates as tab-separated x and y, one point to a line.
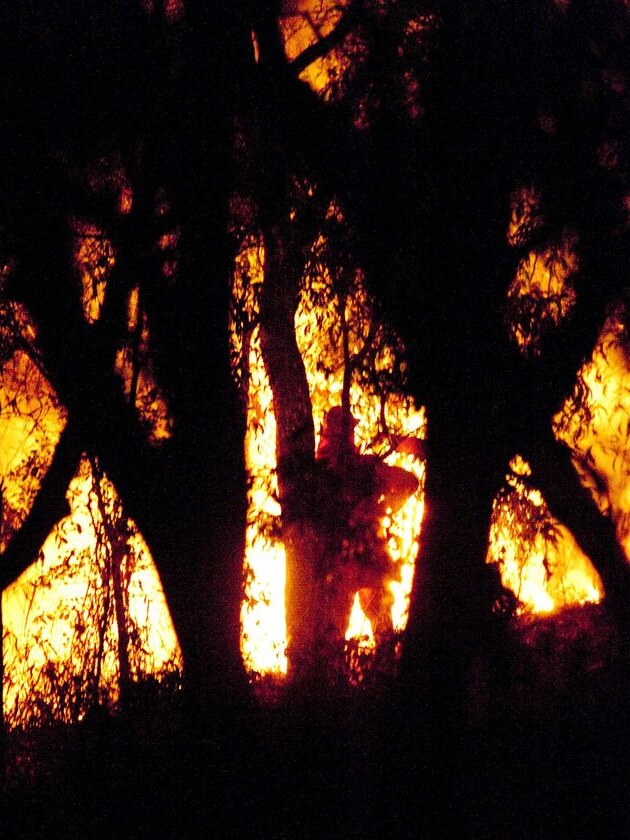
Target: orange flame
52	614
539	560
263	637
60	640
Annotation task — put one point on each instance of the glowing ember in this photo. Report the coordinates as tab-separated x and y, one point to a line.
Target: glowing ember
125	200
526	216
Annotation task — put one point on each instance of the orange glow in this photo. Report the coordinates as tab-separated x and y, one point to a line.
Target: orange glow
255	47
303	23
134	366
60	634
125	200
542	295
525	215
31	421
538	558
169	240
594	423
317	324
94	258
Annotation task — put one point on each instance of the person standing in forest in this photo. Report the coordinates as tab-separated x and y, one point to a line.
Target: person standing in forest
361	490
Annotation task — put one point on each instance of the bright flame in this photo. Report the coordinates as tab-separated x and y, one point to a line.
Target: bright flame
538	558
31	421
318	332
359	626
595	422
263	635
60	640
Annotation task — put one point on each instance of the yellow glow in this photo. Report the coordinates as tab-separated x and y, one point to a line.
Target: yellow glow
31	421
539	560
134	357
60	637
403	533
94	258
594	423
263	634
542	295
60	641
544	572
303	23
359	626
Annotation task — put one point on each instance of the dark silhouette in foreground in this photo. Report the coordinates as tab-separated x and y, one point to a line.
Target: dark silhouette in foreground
363	490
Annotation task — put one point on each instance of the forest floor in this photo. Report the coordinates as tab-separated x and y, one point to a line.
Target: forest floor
542	750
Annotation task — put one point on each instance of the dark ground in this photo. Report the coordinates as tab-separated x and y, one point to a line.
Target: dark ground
544	752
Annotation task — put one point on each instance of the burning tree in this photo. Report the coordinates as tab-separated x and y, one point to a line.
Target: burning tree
343	541
341	216
496	298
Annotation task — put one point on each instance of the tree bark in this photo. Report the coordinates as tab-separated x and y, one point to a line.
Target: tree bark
295	443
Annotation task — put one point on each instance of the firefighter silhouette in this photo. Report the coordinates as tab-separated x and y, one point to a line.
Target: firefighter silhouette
361	489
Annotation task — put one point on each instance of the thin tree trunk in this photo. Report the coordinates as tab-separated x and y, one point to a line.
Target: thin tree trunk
117	549
295	446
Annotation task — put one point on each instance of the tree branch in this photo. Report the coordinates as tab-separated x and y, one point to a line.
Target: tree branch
325	44
573	505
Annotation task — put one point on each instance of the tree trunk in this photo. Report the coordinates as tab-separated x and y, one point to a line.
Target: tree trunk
295	444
